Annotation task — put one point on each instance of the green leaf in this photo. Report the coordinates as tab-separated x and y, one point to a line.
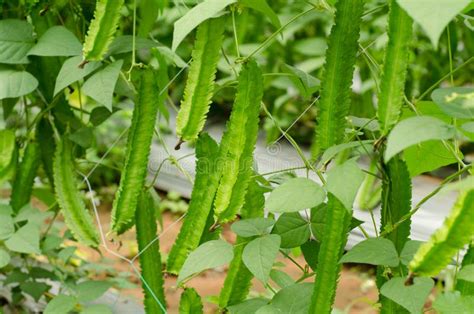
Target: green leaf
32	215
281	278
373	251
88	291
310	252
7	227
124	44
263	7
457	102
149	12
97	309
57	41
318	215
4	258
410	297
208	255
453	302
306	83
293	230
252	227
83	137
260	254
248	306
344	180
25	240
16	39
313	46
332	151
101	85
34	289
467	273
433	15
416	130
15	83
99	115
70	72
409	251
198	14
293	299
295	195
60	304
428	156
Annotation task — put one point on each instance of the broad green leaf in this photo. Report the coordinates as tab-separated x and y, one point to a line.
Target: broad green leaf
416	130
460	186
70	72
208	255
293	230
252	227
306	83
83	137
97	309
16	39
267	309
411	297
428	156
295	195
172	57
457	102
467	273
7	227
25	240
343	182
433	15
293	299
281	278
4	258
60	304
101	85
34	289
263	7
124	44
57	41
452	302
15	83
198	14
313	46
5	209
260	254
468	127
248	306
318	215
99	115
90	290
332	151
409	251
310	252
32	215
373	251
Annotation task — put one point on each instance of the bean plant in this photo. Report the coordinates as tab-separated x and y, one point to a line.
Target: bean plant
369	95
